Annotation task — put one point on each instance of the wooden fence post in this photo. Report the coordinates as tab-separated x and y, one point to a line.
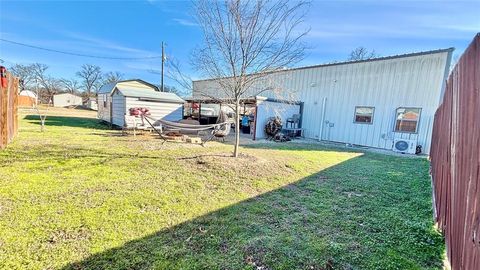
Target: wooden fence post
8	110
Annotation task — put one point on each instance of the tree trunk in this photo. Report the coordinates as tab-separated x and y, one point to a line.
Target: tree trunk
42	124
237	128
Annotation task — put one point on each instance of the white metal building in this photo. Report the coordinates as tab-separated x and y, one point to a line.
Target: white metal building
67	99
371	102
115	100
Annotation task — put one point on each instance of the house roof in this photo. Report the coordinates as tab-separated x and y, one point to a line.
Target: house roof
109	87
63	94
150	95
449	50
28	93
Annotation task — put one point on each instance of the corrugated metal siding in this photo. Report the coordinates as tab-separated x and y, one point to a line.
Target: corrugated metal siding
103	113
414	81
158	110
455	158
118	109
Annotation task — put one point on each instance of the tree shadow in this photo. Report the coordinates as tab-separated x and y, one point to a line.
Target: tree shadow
70	121
363	213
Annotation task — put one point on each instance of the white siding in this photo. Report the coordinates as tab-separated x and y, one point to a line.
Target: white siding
158	110
103	112
118	109
64	100
409	81
268	109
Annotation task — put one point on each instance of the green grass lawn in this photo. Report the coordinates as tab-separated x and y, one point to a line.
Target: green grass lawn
79	196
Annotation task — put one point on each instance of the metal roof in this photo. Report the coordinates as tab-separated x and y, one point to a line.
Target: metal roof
451	49
68	94
108	88
246	100
150	95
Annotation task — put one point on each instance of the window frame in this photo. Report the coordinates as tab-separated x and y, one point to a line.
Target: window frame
363	123
416	126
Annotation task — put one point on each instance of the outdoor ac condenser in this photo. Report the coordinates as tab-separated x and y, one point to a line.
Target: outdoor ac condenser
404	146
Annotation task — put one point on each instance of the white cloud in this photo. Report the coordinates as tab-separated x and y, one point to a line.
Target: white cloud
185	22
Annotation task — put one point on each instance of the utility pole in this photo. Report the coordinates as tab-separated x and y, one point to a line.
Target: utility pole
163	63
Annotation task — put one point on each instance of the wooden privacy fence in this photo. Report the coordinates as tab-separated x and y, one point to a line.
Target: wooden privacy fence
455	159
8	110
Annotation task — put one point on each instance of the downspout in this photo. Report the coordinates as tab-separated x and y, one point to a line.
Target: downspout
301	116
255	122
322	121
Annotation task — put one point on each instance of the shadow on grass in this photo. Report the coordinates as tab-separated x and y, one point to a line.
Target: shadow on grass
69	121
344	217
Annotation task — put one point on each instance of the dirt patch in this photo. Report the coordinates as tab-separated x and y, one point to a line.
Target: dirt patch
255	257
246	165
68	235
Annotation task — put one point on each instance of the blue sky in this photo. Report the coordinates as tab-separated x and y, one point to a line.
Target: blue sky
137	28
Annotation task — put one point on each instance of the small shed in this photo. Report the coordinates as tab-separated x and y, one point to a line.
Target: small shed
162	105
104	95
91	103
27	98
67	99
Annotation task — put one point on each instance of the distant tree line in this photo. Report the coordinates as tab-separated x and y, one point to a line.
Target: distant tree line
86	83
87	80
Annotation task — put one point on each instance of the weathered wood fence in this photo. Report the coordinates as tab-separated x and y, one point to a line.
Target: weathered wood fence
8	110
455	159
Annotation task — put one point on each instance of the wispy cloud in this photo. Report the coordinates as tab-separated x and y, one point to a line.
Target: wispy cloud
106	45
185	22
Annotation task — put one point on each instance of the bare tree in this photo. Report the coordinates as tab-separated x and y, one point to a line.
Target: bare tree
90	78
71	85
26	75
244	42
175	73
362	53
112	77
45	87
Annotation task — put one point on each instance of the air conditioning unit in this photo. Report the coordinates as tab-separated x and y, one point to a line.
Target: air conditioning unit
404	146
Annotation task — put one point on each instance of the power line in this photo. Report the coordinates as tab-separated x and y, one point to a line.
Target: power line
79	54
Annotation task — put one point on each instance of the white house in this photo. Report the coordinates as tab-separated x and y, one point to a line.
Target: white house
382	102
91	103
66	99
115	100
